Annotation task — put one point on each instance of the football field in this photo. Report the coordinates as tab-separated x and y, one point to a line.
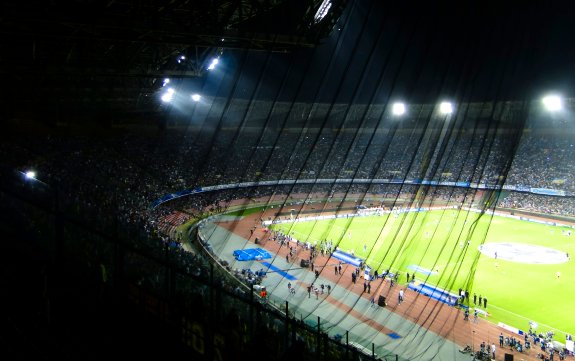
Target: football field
522	268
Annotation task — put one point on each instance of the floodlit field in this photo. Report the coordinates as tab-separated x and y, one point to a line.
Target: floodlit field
521	267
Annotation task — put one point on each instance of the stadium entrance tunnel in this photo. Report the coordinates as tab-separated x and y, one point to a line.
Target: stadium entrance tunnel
523	253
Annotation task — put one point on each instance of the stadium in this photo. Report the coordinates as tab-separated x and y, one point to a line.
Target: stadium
311	180
348	221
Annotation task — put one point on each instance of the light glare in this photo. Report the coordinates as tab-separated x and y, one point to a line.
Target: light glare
168	95
398	109
196	97
552	103
446	108
30	174
213	64
322	11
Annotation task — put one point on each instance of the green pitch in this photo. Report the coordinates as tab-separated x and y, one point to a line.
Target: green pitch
520	284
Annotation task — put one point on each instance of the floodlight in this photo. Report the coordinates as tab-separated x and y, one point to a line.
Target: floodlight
552	103
196	97
322	11
30	174
446	108
213	64
168	95
166	82
398	109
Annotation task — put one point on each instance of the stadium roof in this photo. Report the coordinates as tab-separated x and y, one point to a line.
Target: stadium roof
112	54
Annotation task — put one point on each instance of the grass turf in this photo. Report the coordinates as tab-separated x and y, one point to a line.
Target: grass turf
447	243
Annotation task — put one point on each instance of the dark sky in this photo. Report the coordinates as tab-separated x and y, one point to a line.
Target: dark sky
420	52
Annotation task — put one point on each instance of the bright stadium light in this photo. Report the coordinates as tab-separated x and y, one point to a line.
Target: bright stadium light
552	103
166	82
446	108
213	64
196	97
30	177
322	11
30	174
168	95
398	109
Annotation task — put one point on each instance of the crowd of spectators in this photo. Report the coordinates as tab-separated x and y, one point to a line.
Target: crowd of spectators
563	206
114	179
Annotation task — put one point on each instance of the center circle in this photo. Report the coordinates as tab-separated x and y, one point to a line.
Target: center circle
523	253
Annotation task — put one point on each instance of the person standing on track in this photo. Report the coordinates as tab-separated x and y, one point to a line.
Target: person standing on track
475	316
